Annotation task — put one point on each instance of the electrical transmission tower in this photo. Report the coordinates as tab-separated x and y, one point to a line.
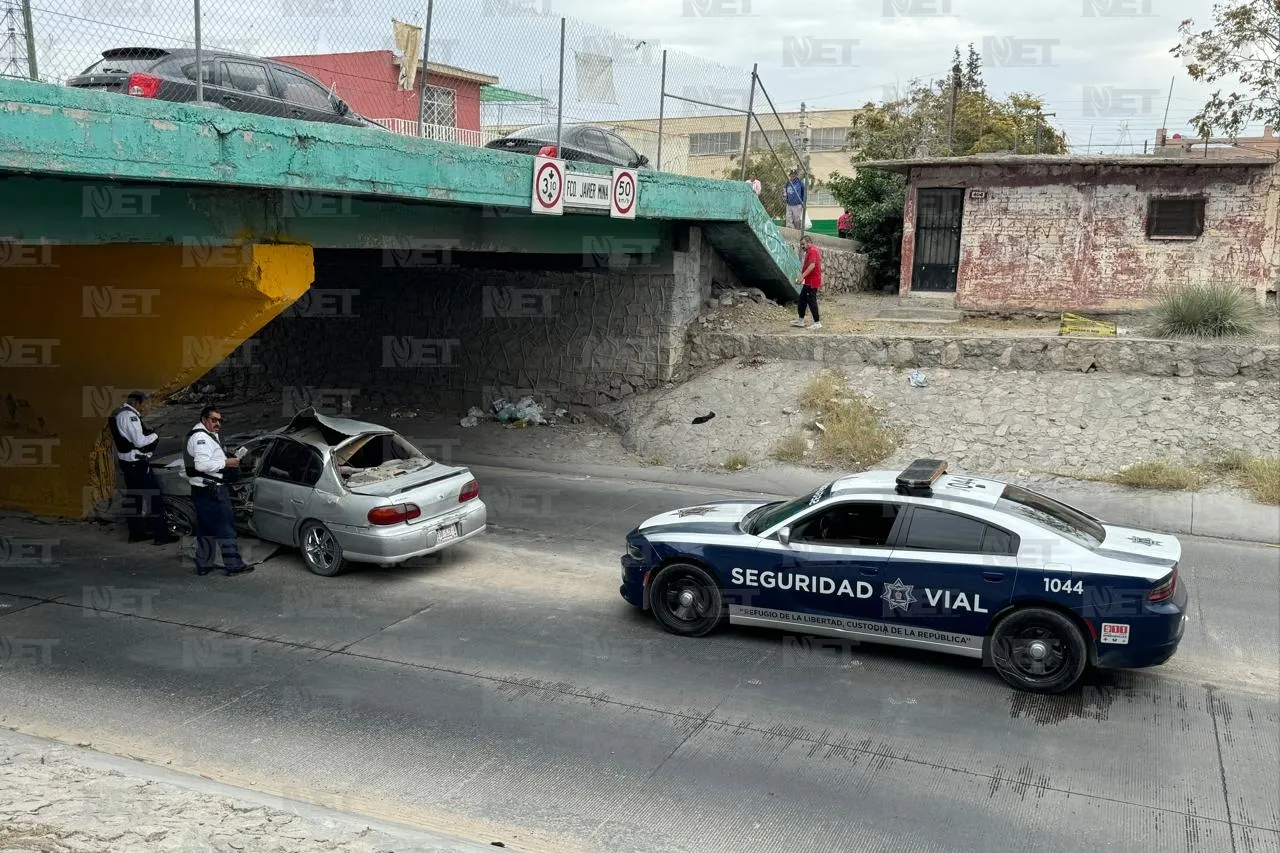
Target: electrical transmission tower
17	42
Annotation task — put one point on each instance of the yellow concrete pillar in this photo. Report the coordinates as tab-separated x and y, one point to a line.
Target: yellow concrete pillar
81	326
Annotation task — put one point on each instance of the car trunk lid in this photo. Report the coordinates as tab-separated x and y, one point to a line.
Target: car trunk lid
1140	546
434	489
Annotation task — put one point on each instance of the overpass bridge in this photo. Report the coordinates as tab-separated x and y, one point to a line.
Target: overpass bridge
144	243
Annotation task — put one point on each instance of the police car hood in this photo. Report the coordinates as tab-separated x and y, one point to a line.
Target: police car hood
1142	546
711	517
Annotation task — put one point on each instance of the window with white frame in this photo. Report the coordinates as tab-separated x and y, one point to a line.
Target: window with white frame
714	143
440	108
822	197
828	138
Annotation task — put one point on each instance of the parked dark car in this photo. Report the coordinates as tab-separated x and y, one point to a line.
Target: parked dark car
584	143
235	81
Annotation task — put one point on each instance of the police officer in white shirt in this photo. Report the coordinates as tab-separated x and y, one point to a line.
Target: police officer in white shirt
209	469
134	445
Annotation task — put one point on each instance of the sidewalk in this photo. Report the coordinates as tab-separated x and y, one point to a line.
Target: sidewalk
1220	515
55	797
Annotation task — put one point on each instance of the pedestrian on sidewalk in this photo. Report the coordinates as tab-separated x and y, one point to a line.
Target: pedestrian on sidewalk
794	195
134	445
209	469
811	279
844	225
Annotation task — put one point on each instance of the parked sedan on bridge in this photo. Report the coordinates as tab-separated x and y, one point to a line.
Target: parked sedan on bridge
234	81
344	491
920	558
583	143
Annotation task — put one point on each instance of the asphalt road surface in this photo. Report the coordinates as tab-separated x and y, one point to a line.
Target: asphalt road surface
505	692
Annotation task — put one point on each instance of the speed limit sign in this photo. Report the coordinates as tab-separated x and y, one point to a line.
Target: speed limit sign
626	192
548	186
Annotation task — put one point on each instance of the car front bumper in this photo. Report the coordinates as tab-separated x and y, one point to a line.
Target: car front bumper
397	543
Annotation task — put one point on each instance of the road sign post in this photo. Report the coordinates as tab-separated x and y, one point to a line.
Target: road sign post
548	186
625	195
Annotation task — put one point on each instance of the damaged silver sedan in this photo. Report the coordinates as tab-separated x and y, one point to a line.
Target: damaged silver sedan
341	490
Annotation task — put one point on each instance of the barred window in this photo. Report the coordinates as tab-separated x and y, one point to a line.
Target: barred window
1175	218
714	143
439	107
828	138
776	138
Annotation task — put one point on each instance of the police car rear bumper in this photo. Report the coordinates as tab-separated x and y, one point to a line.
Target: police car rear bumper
1154	635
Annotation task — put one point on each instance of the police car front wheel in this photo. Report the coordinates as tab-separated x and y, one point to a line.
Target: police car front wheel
1039	650
686	600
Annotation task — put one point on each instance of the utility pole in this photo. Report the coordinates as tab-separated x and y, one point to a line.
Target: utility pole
951	124
422	79
751	103
17	42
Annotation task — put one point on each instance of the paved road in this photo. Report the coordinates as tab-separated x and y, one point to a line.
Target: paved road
508	694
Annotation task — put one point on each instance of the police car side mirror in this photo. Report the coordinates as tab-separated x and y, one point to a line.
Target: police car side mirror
784	536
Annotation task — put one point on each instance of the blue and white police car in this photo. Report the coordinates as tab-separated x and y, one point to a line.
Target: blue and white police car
922	558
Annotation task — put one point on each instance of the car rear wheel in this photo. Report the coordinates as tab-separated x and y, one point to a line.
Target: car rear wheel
321	550
1039	650
686	600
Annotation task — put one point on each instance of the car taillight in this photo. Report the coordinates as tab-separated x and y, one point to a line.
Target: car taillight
470	491
143	85
393	514
547	151
1165	588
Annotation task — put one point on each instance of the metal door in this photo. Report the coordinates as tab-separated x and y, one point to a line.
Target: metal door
938	215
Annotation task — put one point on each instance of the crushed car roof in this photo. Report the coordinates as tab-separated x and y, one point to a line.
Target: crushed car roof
335	430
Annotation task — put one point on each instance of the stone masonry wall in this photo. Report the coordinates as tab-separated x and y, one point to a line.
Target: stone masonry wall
1069	238
1141	357
844	270
449	337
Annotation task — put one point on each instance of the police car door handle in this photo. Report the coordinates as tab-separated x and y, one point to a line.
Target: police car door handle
993	577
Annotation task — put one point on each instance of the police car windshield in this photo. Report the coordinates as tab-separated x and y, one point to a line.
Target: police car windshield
1048	513
769	515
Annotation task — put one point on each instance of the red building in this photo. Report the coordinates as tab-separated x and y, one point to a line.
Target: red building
369	82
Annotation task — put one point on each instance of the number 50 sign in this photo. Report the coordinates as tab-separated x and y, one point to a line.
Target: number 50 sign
626	191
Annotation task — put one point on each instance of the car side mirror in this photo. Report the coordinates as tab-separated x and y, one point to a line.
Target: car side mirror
343	109
784	536
643	161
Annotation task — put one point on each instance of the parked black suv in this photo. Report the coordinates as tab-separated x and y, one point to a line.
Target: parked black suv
247	84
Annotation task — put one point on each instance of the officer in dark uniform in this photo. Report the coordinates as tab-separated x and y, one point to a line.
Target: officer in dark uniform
209	469
134	444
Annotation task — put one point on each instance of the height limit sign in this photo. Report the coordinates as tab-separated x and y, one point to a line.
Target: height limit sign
626	192
548	186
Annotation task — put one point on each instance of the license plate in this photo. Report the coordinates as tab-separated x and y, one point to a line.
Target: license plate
444	534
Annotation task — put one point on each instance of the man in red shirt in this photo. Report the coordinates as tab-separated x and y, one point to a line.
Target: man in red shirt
811	278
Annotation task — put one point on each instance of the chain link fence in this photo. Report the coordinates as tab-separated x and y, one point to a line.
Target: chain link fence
492	67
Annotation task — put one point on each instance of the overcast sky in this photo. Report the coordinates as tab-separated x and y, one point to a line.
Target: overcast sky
1102	66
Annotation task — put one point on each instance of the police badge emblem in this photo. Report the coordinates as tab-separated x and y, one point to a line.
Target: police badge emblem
898	595
697	510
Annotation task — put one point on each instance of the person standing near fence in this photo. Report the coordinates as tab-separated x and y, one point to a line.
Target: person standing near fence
811	279
844	225
794	195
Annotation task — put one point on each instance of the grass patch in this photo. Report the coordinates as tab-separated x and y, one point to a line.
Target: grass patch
791	448
1167	476
1215	310
852	435
1259	474
736	461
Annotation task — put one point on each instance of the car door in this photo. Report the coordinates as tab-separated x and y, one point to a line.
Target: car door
950	573
242	489
594	147
284	489
246	86
834	559
304	98
623	154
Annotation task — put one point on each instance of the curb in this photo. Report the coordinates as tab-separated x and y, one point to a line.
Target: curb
1217	515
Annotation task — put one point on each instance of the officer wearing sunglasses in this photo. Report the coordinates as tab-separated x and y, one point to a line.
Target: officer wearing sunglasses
209	469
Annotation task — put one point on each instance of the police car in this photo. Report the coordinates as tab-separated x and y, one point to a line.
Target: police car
921	558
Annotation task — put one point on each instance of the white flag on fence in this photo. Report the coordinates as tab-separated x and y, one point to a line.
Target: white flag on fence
409	44
595	78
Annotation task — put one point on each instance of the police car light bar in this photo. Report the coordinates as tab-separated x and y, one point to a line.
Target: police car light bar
919	477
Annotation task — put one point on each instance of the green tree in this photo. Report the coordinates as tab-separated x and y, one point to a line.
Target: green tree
875	199
1244	44
763	165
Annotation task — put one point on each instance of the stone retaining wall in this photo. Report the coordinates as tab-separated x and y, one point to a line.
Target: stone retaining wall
1125	356
844	270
